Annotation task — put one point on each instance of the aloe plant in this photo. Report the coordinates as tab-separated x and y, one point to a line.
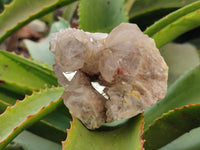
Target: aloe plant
30	97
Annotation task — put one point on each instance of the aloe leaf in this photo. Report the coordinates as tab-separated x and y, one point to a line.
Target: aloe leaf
9	97
25	11
25	113
175	24
21	75
177	28
33	75
48	18
126	137
128	5
108	14
70	10
188	141
52	127
178	122
2	3
3	106
171	18
28	141
183	92
40	50
175	56
143	7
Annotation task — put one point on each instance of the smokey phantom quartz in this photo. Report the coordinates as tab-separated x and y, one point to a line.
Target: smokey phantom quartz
126	62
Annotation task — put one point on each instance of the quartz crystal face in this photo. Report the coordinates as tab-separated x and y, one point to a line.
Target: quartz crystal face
125	64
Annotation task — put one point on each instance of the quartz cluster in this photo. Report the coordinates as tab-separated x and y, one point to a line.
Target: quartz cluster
126	62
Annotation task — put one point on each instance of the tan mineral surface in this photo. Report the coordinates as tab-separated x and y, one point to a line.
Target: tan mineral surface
126	62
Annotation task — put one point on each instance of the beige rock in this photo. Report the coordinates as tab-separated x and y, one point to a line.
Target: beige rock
75	49
85	102
132	58
62	80
126	62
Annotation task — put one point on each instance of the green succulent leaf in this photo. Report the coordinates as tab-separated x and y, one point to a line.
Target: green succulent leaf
175	24
21	75
175	55
40	50
146	12
70	10
2	3
126	137
27	112
9	97
52	126
128	5
183	92
21	12
29	141
3	106
108	14
171	125
188	141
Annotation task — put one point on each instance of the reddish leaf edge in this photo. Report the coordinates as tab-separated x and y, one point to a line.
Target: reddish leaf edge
20	127
163	117
142	141
170	111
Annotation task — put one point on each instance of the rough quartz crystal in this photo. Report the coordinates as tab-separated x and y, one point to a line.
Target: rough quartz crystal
85	102
126	62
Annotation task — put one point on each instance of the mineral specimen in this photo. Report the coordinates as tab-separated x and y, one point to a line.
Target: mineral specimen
84	101
126	62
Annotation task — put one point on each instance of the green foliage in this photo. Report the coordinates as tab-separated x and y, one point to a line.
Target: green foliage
27	112
9	97
26	12
177	121
175	24
70	10
126	137
188	88
29	141
145	6
175	56
2	3
14	87
146	12
108	14
188	141
24	70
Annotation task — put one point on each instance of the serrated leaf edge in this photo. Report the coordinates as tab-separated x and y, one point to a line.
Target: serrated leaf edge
74	120
30	17
68	132
29	116
169	112
170	18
